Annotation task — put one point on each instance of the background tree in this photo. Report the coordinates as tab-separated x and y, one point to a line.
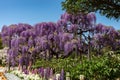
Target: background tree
109	8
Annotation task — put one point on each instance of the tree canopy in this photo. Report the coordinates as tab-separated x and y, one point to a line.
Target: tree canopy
109	8
70	35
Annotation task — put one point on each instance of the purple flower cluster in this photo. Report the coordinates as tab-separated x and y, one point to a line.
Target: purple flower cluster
49	39
48	73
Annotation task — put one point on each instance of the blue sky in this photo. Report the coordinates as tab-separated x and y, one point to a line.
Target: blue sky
35	11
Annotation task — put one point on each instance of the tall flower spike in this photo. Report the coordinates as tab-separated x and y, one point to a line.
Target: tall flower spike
62	75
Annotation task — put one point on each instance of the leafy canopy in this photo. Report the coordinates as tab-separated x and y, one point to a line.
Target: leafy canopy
109	8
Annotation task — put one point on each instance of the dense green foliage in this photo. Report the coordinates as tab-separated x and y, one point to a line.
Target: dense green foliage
109	8
1	46
102	68
58	64
105	67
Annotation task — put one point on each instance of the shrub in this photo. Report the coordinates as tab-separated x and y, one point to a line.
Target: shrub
98	68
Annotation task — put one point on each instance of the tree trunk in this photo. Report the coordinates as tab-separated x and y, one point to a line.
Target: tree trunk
89	55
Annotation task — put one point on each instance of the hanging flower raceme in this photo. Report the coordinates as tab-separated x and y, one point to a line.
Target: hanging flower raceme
22	41
24	49
99	28
6	41
51	27
12	53
66	16
15	43
50	36
43	28
23	27
68	47
56	38
73	28
21	60
44	44
62	22
62	75
30	42
11	30
91	17
41	71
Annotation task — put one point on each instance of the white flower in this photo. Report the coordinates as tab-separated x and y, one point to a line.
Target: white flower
50	79
37	77
57	76
82	77
29	76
